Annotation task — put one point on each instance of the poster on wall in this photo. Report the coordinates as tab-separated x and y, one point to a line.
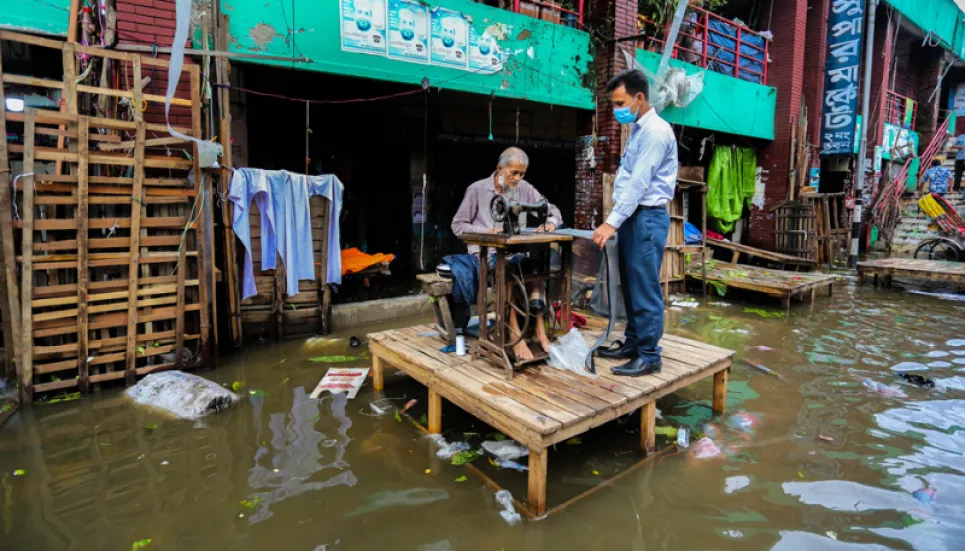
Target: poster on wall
449	39
408	31
363	26
484	52
845	33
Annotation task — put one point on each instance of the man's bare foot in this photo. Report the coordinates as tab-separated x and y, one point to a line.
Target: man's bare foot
522	351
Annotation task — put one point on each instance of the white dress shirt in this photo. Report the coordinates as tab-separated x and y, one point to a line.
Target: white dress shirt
648	170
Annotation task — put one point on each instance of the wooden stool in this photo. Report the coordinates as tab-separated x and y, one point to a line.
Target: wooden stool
439	290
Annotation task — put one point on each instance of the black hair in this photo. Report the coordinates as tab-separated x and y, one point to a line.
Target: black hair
936	162
634	81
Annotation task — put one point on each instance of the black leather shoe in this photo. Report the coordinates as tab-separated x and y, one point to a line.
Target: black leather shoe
637	368
622	352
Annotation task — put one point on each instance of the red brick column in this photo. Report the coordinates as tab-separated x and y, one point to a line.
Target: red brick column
814	72
786	73
610	20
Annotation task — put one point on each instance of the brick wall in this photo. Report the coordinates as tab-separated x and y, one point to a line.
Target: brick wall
814	72
151	22
610	19
786	73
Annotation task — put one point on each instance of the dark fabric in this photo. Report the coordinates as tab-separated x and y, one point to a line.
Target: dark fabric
465	277
642	239
959	169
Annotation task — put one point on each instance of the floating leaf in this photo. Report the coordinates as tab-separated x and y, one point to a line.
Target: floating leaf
140	544
238	386
575	441
335	359
596	472
497	436
6	407
398	417
251	503
156	344
763	313
256	392
19	472
428	471
720	287
63	397
462	479
140	350
424	420
464	457
150	426
285	380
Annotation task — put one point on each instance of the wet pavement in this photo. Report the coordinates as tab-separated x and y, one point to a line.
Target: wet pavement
831	450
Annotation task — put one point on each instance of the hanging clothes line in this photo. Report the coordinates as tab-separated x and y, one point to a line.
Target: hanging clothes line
283	203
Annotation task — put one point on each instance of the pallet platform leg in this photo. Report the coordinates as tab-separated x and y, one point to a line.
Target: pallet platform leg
648	421
860	277
537	481
813	291
378	380
831	288
875	280
786	304
720	391
435	412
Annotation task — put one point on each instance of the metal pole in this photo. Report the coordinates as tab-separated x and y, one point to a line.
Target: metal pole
865	124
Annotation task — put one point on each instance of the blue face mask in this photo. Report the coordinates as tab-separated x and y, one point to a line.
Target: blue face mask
624	115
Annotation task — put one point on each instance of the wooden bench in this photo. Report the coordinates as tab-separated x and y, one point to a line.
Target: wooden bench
439	290
944	271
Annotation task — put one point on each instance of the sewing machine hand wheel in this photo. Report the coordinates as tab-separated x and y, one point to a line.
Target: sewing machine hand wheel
499	208
517	304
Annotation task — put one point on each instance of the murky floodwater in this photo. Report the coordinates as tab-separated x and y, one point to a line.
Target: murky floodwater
821	458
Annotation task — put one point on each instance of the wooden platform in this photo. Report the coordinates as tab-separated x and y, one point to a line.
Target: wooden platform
931	270
780	259
542	406
776	283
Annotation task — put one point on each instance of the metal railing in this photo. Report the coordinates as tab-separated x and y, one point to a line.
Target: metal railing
704	40
901	110
551	11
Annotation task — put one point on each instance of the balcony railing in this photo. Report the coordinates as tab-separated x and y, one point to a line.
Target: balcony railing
708	40
551	11
901	110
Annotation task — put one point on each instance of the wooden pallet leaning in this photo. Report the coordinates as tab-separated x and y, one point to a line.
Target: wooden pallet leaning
272	314
795	224
120	248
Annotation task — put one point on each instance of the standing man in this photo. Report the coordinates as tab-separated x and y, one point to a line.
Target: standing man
938	178
644	184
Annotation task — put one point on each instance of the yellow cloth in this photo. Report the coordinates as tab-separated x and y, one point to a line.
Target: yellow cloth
354	260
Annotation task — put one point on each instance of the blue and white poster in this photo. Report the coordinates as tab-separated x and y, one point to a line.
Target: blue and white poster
845	33
484	52
408	31
363	26
450	39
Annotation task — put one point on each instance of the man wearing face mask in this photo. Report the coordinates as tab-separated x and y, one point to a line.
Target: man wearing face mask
474	216
644	184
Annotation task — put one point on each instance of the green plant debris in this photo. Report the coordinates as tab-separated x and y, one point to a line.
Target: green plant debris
763	313
19	472
464	457
256	392
462	479
398	416
63	397
719	287
669	432
150	426
575	441
497	436
140	350
140	544
336	359
156	344
238	386
6	407
251	503
596	472
424	420
285	380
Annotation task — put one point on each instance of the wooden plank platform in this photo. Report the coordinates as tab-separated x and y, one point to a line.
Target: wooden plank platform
776	283
751	252
542	406
931	270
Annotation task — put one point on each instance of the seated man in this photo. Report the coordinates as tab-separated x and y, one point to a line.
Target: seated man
473	216
938	178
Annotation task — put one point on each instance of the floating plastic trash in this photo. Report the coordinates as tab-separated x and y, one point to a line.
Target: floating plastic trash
452	449
734	483
683	438
509	514
925	495
506	450
883	389
338	380
742	421
182	394
506	464
905	367
705	448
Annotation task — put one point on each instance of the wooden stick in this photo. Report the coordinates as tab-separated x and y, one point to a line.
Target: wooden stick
26	346
648	420
205	266
83	276
435	412
134	260
10	310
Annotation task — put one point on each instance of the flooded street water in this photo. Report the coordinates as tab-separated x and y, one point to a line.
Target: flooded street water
822	457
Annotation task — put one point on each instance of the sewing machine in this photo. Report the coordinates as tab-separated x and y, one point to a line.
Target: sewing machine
508	212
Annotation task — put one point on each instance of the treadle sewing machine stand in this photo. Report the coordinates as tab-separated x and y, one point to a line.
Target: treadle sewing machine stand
495	344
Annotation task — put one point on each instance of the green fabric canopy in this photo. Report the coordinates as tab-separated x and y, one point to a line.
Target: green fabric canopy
731	181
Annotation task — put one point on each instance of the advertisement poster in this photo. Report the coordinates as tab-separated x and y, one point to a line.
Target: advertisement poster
408	31
484	54
450	39
363	26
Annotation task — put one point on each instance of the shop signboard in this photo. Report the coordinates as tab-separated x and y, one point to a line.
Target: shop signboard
843	68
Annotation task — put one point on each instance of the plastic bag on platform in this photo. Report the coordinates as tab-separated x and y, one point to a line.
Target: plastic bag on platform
569	353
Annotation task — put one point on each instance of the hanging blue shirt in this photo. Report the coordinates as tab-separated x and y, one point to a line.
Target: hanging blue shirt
937	178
